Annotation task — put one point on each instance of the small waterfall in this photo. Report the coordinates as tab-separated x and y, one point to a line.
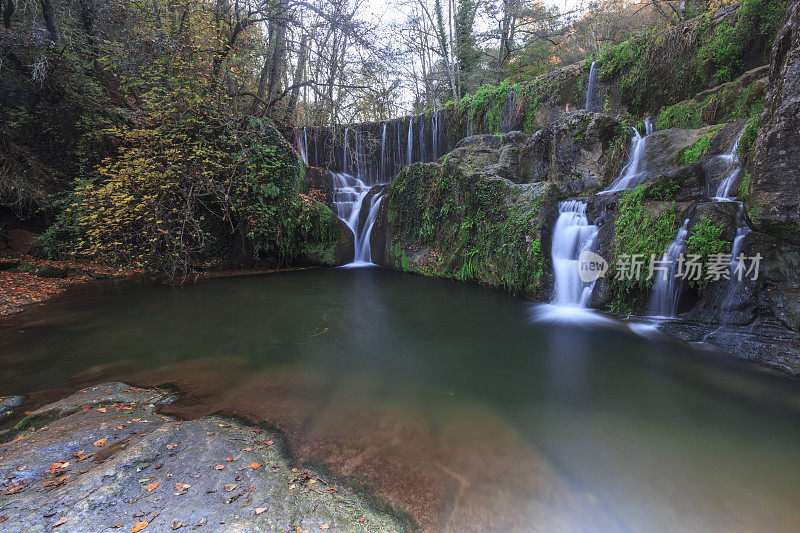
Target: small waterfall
384	148
363	253
435	134
591	88
730	162
422	137
410	141
633	171
667	287
572	235
508	112
348	199
301	141
345	160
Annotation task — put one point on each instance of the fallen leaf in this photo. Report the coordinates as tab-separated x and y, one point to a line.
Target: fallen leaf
120	427
61	522
138	526
254	465
230	486
248	449
324	526
101	409
100	443
229	459
269	442
260	510
218	467
294	470
152	486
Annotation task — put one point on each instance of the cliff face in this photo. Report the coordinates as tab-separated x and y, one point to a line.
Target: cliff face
774	199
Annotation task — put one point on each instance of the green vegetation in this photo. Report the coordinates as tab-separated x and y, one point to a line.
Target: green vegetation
694	152
480	238
748	140
661	221
646	66
728	105
705	239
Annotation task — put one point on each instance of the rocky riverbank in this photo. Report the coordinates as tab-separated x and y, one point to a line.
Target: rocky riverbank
103	458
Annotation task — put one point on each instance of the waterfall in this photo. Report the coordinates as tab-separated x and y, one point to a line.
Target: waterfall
667	287
591	88
730	162
383	153
363	253
301	139
348	199
435	134
508	112
421	137
633	171
410	140
345	161
572	235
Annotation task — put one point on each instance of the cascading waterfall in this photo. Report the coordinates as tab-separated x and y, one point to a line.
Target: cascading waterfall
361	156
410	141
348	199
730	162
591	89
508	112
667	287
633	171
572	235
301	139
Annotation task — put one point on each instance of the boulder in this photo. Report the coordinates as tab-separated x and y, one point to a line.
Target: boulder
573	153
774	198
22	241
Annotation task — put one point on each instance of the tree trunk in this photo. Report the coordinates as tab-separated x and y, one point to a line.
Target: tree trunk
49	21
299	76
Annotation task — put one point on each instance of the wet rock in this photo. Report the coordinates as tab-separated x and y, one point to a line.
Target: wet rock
573	153
8	404
719	214
481	142
111	467
775	184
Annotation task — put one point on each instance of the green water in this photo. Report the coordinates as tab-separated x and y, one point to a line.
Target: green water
656	435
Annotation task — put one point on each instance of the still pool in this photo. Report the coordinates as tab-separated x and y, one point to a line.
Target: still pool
451	404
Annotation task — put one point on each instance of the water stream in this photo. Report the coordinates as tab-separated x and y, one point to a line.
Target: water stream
667	286
572	235
591	89
633	172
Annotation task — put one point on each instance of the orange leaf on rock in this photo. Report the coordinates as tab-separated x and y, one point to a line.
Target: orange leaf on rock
152	486
100	443
254	465
61	522
138	526
218	467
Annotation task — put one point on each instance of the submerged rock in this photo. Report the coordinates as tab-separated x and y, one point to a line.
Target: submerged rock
105	459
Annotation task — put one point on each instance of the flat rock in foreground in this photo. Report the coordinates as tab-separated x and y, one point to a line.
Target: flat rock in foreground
106	461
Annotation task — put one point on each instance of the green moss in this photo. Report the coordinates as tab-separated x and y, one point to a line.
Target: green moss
744	187
748	140
469	230
655	68
630	240
704	240
694	152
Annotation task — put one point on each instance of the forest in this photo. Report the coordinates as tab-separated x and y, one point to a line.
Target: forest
411	265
